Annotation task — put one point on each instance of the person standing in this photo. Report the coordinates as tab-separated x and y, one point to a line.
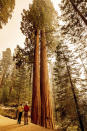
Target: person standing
20	110
26	109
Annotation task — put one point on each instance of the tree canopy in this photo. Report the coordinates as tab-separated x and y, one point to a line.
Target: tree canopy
42	16
6	8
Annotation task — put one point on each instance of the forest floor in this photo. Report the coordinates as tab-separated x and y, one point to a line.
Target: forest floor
7	124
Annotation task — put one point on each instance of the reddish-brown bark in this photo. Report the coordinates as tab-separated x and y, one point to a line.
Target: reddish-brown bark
46	108
36	99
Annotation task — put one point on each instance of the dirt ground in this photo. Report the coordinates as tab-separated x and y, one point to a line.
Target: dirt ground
7	124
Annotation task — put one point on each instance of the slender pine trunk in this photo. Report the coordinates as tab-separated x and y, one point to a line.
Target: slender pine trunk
79	12
36	99
46	107
74	96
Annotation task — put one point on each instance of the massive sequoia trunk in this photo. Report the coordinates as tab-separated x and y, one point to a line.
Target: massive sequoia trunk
46	107
36	99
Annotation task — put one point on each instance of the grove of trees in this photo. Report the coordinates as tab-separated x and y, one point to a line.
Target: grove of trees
57	97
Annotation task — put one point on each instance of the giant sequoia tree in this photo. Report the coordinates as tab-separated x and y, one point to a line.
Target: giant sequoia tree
6	8
39	18
45	19
32	34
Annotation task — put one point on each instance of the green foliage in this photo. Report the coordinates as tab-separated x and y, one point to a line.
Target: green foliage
5	72
21	85
42	13
64	85
73	26
6	8
16	82
61	77
24	56
5	95
12	97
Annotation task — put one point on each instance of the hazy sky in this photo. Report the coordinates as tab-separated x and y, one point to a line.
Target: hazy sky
10	35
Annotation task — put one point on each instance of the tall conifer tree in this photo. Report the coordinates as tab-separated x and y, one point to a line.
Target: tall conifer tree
40	17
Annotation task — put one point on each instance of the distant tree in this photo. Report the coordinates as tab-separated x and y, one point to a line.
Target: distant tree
5	62
5	95
5	73
20	85
23	59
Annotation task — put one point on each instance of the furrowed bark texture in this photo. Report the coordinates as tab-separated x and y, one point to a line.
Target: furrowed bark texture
36	99
46	108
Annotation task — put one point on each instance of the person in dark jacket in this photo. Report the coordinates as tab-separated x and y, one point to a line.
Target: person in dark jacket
26	109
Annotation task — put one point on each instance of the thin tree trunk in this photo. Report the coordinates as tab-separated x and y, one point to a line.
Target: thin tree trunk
79	13
36	99
2	79
74	96
46	109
